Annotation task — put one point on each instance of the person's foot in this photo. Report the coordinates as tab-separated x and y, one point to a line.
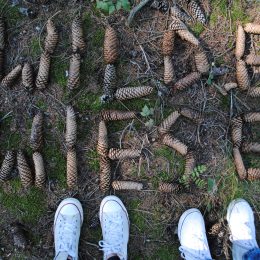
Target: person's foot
192	236
115	227
240	218
67	223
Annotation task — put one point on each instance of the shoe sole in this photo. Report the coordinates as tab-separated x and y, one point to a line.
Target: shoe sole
232	205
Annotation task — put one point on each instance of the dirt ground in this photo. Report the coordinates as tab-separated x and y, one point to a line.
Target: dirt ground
153	216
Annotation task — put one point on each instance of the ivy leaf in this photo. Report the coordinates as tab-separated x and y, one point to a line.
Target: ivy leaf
145	111
118	5
149	123
126	5
111	9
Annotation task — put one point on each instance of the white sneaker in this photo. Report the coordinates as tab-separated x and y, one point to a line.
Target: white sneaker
240	219
192	236
67	223
115	227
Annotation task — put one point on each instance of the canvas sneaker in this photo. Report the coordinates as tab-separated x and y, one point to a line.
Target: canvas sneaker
192	236
115	227
67	223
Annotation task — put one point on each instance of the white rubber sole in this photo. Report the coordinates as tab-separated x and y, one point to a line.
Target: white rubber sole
232	205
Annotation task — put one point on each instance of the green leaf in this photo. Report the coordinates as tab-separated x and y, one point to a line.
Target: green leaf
211	185
111	9
145	111
149	123
118	5
126	5
210	78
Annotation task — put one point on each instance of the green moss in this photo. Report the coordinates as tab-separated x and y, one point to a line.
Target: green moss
166	252
225	102
197	28
34	48
11	13
58	71
137	218
93	160
89	101
98	38
238	12
41	104
87	21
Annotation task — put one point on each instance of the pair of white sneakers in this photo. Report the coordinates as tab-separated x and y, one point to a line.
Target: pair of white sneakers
115	230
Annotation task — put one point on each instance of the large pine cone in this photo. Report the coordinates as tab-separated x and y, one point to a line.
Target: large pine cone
169	75
74	71
102	145
177	24
10	78
236	131
27	76
192	114
168	43
72	175
78	43
240	167
40	175
190	163
7	166
254	92
44	69
187	81
24	170
251	147
133	92
109	86
105	174
197	12
230	85
52	37
252	117
71	127
252	28
201	62
2	62
188	36
253	59
180	14
111	46
116	115
121	154
174	143
168	122
2	34
240	42
36	138
242	75
127	185
169	187
253	174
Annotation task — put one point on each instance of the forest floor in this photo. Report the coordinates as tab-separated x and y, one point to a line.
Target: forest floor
153	216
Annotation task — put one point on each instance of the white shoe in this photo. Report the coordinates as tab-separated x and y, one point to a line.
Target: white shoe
115	227
240	218
67	223
192	236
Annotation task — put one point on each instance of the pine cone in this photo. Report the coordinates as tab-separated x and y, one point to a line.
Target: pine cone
177	24
105	174
252	28
169	187
40	175
71	127
116	115
190	163
102	145
161	5
253	174
36	138
253	59
180	14
2	62
197	12
251	147
2	34
127	185
192	114
10	78
201	62
240	42
7	166
252	117
132	92
240	167
174	143
111	46
27	77
188	36
52	37
236	131
169	75
168	43
168	122
43	73
72	175
229	86
187	81
254	92
24	170
78	43
121	154
74	71
242	75
109	86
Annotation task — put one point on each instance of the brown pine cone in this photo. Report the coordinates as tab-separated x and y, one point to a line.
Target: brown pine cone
169	187
121	154
52	37
71	127
11	77
174	143
116	115
180	14
78	43
201	62
105	174
109	86
229	86
74	71
177	24
133	92
254	92
2	62
36	138
242	75
166	124
27	76
251	147
252	117
24	170
197	12
7	166
252	28
236	131
188	36
2	34
240	167
169	75
43	72
240	42
102	144
127	185
253	59
168	43
72	175
253	174
40	175
187	81
190	163
192	114
111	46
